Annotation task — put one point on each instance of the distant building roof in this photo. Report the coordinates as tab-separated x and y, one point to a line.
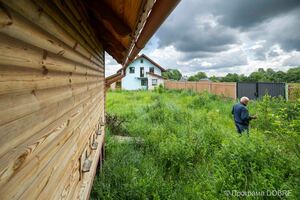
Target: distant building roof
156	75
149	59
184	78
204	79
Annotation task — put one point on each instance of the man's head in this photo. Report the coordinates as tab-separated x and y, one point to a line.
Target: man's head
244	100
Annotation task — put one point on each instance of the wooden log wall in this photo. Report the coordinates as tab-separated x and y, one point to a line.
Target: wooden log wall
225	89
51	101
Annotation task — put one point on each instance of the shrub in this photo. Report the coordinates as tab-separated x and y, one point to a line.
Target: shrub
192	151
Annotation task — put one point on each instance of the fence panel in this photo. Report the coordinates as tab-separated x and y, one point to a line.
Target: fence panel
226	89
272	89
234	90
258	90
203	86
247	89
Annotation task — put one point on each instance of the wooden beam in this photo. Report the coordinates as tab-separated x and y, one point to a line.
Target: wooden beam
111	44
107	16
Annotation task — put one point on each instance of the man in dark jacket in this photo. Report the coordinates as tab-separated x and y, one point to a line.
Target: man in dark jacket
241	115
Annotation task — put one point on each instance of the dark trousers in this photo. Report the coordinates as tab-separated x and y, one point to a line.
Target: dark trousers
242	128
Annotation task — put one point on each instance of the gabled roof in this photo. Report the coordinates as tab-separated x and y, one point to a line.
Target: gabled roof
146	57
150	60
156	75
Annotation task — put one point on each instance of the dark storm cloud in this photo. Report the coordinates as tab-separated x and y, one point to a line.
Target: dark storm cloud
219	61
258	53
197	26
283	30
193	29
247	13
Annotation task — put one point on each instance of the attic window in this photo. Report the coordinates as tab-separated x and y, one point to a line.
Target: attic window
151	70
131	70
142	60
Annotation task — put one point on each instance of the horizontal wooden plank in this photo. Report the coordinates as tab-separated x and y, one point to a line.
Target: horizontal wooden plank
51	100
88	178
14	106
61	162
18	53
20	130
69	24
82	17
72	166
24	30
67	14
16	79
32	12
46	159
21	160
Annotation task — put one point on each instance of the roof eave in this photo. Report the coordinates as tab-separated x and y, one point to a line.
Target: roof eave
160	11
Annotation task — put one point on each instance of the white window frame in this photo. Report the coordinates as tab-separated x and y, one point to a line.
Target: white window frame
130	70
154	82
150	70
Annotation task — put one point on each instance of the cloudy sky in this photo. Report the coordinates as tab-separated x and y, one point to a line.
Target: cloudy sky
226	36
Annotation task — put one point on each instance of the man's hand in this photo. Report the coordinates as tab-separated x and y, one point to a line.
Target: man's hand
254	117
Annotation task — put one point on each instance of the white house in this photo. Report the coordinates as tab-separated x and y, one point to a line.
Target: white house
142	73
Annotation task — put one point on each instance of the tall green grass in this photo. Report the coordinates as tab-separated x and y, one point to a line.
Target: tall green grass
191	149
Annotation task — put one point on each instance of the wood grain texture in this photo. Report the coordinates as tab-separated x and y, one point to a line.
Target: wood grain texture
52	99
35	13
22	29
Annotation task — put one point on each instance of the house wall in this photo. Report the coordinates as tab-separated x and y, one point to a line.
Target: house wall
51	104
130	81
160	81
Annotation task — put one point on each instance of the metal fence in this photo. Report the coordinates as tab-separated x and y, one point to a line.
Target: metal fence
258	90
239	89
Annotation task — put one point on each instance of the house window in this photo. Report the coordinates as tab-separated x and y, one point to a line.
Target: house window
144	82
142	60
142	72
154	82
151	70
131	70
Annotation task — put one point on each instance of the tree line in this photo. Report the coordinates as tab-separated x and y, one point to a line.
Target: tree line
261	75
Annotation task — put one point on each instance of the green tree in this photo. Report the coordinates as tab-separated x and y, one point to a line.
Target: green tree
243	78
173	74
258	76
214	79
280	76
197	77
230	78
293	75
270	75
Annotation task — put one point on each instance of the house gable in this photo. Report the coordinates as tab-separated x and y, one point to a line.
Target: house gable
146	64
133	79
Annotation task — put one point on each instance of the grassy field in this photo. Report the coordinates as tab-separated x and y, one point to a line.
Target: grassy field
192	151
